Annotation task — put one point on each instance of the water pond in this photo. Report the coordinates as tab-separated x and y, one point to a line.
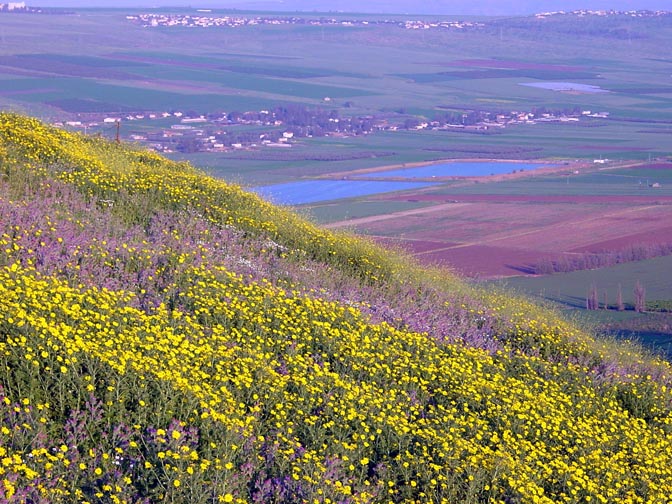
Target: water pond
312	191
566	86
457	169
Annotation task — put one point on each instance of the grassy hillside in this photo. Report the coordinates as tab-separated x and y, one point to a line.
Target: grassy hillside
165	336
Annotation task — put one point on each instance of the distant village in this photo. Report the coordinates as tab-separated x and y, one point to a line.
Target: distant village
282	127
205	19
605	13
22	8
14	7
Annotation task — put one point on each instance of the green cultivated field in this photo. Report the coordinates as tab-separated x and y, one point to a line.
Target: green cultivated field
396	148
99	56
354	210
569	290
603	181
616	141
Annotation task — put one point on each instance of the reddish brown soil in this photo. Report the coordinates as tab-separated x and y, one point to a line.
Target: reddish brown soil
647	199
502	235
482	261
471	260
658	235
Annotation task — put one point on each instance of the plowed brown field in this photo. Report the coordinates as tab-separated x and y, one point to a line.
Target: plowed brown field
484	235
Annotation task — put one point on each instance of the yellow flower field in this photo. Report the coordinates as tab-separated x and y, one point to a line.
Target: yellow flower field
165	336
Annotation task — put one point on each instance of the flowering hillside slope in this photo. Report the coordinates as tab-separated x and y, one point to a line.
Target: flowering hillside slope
165	336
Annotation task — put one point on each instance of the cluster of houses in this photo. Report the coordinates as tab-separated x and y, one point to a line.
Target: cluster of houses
193	132
13	6
484	121
200	21
205	19
428	25
605	13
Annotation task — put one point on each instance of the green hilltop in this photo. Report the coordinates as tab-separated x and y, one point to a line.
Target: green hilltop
168	337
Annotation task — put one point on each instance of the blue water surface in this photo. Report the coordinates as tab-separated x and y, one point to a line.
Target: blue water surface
312	191
458	169
566	86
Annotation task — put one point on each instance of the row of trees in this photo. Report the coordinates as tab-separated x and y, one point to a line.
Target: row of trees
589	260
593	298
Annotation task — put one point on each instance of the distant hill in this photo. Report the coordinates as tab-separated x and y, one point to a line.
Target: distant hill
166	336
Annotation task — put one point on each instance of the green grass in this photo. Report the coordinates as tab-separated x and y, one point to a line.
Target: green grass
602	183
558	186
125	97
663	176
89	61
571	288
569	292
250	82
267	65
324	214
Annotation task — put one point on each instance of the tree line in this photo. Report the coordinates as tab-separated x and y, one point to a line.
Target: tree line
593	301
596	260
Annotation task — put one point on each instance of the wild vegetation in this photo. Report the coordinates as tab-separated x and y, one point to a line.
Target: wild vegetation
167	336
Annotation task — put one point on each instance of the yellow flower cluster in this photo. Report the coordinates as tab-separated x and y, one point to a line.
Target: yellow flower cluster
320	383
235	389
109	172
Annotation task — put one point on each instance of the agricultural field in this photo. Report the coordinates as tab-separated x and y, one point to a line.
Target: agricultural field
571	288
98	62
504	227
532	230
325	156
569	292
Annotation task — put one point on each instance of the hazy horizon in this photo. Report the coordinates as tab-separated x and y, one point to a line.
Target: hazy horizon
467	7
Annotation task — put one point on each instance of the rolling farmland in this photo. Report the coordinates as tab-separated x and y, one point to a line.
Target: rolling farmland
97	63
504	227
